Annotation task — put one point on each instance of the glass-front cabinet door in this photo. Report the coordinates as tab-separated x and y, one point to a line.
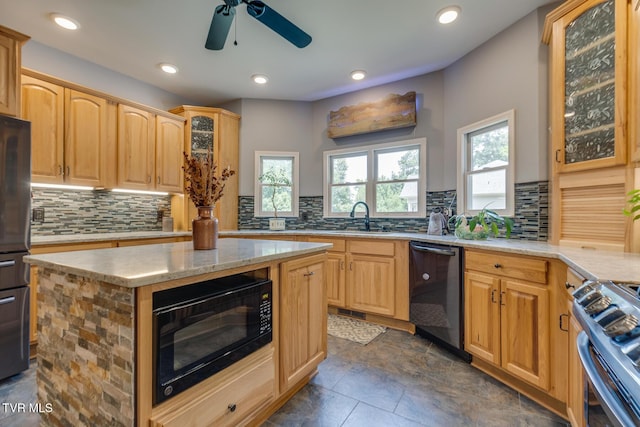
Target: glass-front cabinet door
589	62
201	135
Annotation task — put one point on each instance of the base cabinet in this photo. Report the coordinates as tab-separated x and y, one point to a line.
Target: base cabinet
507	318
303	318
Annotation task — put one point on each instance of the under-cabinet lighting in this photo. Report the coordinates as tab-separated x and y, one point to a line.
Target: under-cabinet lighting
153	193
61	186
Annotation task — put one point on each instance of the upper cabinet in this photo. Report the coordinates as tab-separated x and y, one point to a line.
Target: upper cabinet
71	132
634	80
10	63
588	41
83	137
215	130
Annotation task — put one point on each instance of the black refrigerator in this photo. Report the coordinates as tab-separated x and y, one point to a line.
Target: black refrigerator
15	242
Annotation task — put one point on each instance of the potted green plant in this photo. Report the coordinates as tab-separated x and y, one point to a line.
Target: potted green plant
274	179
482	224
634	205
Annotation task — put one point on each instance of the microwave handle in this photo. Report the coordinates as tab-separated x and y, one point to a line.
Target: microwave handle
610	402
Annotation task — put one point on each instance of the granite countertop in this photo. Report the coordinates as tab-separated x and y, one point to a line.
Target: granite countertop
598	264
62	239
136	266
592	263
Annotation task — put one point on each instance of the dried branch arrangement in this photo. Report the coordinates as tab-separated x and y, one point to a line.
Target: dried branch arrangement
200	181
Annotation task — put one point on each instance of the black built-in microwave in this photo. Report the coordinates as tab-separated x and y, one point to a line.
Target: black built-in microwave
200	329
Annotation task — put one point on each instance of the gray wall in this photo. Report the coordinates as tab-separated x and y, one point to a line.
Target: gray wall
67	67
509	71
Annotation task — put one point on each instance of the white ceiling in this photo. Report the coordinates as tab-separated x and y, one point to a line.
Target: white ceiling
390	39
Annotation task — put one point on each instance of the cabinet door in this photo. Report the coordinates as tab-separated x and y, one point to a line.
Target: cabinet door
87	132
303	318
634	81
371	284
10	60
136	148
575	397
589	79
525	331
33	304
482	316
169	159
43	106
336	280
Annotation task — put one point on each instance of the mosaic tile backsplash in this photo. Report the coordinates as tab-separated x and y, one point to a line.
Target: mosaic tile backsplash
531	214
98	211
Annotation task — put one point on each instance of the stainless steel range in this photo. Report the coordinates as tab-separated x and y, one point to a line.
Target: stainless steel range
609	346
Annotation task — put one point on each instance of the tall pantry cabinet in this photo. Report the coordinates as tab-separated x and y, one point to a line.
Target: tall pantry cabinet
593	117
215	130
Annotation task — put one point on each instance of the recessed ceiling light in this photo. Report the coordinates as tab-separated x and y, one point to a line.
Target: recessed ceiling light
358	74
259	79
168	68
64	21
448	14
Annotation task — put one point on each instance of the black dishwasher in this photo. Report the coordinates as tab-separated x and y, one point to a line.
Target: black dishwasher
435	290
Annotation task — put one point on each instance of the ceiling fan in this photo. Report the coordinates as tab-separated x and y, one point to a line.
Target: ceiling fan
223	17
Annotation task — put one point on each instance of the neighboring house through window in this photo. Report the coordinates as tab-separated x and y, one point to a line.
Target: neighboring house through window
284	195
390	178
486	165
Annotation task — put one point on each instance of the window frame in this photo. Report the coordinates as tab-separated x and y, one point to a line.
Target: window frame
464	160
258	210
371	179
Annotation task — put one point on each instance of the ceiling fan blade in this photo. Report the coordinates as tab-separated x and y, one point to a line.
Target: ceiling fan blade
220	24
278	23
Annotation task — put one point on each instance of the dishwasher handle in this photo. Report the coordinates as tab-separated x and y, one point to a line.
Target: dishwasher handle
429	249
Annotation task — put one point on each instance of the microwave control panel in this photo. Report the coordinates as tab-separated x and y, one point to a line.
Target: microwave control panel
265	313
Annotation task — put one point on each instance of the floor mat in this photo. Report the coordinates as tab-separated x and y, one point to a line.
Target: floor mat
353	329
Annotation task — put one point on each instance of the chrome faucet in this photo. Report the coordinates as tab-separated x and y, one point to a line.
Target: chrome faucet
366	214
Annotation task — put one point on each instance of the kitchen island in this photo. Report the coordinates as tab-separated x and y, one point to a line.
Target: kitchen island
95	350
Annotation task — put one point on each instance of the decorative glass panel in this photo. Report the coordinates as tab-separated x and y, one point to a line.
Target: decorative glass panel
590	85
201	135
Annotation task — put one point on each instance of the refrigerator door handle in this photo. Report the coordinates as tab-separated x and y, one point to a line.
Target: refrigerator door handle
9	263
7	300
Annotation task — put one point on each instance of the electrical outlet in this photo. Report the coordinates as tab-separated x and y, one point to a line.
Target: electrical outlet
37	214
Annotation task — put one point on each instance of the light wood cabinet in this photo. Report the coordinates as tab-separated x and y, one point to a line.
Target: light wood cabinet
72	132
136	148
507	317
594	111
336	271
303	318
215	130
10	63
575	377
169	148
371	283
43	105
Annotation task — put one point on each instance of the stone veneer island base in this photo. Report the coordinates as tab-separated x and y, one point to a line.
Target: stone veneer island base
95	333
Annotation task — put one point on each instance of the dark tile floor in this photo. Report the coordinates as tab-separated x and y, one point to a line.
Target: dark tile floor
397	380
404	380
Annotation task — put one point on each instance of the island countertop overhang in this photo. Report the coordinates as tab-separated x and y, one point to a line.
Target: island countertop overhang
137	266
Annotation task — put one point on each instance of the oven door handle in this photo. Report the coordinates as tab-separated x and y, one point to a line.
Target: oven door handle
610	402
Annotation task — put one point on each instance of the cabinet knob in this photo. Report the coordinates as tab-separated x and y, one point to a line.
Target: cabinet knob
60	170
568	285
493	296
232	407
496	265
311	273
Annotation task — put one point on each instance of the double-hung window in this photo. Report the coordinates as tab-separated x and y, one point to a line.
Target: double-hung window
277	191
390	178
486	165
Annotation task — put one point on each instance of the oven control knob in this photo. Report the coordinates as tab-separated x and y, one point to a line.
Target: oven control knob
621	326
598	305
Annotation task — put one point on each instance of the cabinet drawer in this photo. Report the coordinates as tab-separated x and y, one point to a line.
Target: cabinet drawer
371	247
339	245
244	394
573	278
530	269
